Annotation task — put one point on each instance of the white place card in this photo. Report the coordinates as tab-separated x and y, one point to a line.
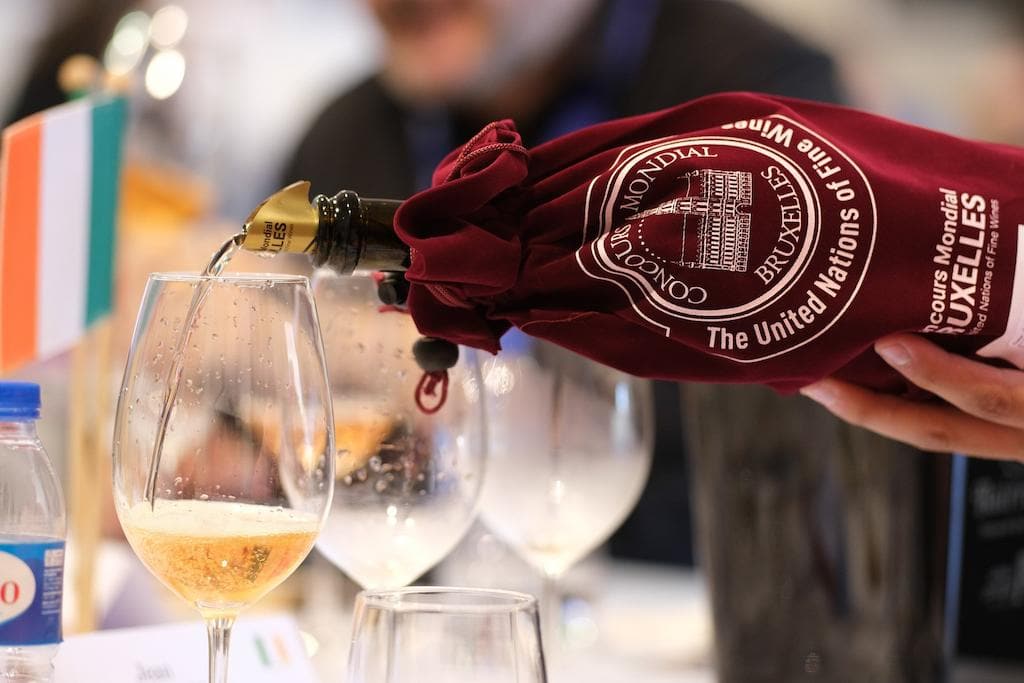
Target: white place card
263	650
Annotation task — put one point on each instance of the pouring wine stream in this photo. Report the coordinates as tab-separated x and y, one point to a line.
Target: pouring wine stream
220	259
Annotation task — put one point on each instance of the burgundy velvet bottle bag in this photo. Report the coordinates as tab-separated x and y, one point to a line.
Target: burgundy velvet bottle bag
736	238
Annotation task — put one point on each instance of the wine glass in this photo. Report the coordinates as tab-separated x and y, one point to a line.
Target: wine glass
570	452
246	469
448	635
407	482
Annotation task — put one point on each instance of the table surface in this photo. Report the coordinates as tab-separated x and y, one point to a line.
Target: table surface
638	622
653	625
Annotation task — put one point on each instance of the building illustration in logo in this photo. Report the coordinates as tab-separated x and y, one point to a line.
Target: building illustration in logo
722	236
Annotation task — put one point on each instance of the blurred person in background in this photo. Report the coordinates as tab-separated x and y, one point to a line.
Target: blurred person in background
451	66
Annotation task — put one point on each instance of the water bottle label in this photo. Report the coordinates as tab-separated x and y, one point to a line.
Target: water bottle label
31	592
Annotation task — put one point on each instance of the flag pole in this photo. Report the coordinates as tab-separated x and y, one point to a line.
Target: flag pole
88	466
81	528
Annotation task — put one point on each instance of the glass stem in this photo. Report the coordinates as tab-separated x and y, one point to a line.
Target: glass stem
218	631
551	618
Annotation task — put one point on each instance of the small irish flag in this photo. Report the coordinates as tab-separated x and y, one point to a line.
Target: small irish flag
59	173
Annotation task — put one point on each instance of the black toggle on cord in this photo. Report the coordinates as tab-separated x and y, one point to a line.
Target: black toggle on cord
434	356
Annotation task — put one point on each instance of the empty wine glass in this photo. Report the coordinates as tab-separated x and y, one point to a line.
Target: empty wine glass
407	482
246	468
570	451
446	635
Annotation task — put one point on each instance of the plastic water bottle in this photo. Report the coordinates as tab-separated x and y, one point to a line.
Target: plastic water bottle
32	527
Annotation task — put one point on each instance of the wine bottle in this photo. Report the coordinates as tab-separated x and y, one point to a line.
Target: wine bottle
344	233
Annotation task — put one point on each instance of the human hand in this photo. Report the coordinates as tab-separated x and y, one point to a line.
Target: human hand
983	414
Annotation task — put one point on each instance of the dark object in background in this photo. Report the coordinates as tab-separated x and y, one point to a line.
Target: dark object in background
823	544
986	599
658	529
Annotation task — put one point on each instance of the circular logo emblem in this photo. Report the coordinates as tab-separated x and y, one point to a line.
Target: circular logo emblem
758	238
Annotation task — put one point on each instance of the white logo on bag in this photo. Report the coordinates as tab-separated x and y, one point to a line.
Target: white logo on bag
670	224
17	587
723	232
714	234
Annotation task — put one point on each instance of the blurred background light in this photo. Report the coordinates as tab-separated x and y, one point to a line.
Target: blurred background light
165	73
129	43
168	26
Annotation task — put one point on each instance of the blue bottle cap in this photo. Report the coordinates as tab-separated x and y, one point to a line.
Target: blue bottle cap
19	401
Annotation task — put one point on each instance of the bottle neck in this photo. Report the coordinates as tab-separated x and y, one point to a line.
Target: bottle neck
358	234
18	430
345	232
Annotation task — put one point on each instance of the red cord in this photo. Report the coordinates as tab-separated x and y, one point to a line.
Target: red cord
427	387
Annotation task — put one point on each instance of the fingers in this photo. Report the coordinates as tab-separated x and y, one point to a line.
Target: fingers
992	394
925	426
986	412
